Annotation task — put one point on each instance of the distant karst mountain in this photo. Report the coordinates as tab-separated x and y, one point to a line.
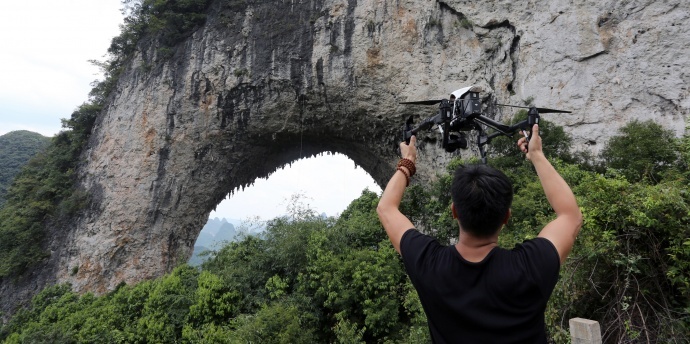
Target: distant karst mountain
16	149
216	233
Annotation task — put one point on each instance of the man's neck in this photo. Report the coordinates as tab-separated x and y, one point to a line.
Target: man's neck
475	249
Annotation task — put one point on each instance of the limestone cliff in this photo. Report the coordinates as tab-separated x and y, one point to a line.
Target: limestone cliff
264	84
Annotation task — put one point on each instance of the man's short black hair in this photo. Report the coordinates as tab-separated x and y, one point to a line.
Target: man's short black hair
482	196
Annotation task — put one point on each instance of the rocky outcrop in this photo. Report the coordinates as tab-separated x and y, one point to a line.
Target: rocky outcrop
261	85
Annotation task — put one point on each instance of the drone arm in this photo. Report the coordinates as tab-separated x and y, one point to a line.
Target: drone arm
425	125
524	125
532	119
504	129
508	131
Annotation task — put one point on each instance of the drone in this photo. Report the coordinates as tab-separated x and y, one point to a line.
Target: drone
462	113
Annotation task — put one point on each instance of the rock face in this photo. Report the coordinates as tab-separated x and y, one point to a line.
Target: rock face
261	85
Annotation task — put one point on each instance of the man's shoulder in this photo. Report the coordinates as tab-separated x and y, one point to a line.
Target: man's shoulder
410	232
538	244
538	259
418	249
414	238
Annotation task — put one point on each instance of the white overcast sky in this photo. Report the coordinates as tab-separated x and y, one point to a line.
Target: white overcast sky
45	75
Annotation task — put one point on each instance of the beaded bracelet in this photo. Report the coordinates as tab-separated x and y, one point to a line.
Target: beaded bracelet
405	173
407	163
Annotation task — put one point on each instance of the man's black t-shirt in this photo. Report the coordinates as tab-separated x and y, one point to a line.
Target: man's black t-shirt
498	300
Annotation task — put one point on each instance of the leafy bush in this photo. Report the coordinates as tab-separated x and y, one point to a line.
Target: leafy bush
641	150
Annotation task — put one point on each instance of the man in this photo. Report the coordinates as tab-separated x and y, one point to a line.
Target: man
474	291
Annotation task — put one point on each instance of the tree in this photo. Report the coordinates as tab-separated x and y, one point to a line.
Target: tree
276	323
641	150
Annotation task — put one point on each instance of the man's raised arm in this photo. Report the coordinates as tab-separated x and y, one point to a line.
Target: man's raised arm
393	221
562	231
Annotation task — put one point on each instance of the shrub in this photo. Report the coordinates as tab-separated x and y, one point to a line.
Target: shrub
641	150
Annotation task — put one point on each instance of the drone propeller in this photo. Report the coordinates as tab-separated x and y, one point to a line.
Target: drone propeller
423	102
540	110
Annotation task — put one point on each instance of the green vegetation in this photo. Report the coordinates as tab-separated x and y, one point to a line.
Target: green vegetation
371	26
434	22
306	280
240	72
338	280
168	22
16	148
465	23
644	151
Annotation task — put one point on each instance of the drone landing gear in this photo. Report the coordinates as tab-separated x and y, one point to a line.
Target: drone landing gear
482	141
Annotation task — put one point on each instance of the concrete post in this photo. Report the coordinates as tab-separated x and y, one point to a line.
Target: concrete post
585	331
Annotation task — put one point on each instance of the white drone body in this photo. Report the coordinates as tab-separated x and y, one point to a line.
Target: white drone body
461	92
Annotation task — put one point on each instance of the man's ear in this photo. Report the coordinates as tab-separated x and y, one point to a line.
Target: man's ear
452	209
508	214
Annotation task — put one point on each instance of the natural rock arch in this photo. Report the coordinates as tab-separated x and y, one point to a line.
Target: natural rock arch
178	137
261	85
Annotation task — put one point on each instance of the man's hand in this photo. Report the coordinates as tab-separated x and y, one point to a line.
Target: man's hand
533	147
409	151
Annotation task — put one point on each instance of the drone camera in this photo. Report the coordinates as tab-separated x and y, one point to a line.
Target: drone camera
455	142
